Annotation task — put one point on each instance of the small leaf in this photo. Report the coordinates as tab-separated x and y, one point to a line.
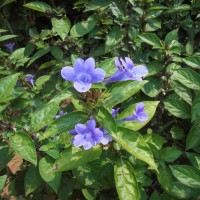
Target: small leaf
126	182
179	8
51	177
151	39
61	26
177	132
24	146
186	175
44	116
42	79
57	52
177	107
7	37
193	139
74	157
32	181
187	77
96	4
169	154
38	6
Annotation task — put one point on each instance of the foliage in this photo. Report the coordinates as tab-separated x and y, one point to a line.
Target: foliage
156	159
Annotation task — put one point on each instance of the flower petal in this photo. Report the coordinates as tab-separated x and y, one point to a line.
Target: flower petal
106	139
89	65
68	74
130	118
139	108
79	65
98	75
78	140
80	128
138	72
129	63
118	76
84	87
73	132
142	117
91	124
118	64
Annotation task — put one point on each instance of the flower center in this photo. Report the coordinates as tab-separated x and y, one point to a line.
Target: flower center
84	78
88	135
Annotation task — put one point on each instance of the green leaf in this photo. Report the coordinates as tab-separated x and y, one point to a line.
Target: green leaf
30	47
38	6
24	146
64	124
61	26
154	67
126	182
177	107
134	143
194	159
82	28
96	4
7	37
179	8
42	79
126	88
7	85
182	91
152	25
196	108
193	139
74	157
151	39
6	2
155	196
150	109
32	181
172	35
108	66
152	88
169	154
106	120
192	61
51	177
2	182
155	140
187	77
117	10
177	132
44	116
39	54
57	52
186	175
114	37
47	64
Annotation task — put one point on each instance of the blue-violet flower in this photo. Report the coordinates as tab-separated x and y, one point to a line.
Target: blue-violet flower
138	115
61	113
10	46
83	74
30	79
127	71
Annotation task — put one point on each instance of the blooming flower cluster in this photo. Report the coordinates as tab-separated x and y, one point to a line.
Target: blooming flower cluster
83	75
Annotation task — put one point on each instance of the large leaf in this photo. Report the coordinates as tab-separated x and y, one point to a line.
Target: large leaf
193	61
134	143
84	27
51	177
187	175
126	182
7	85
74	157
32	181
187	77
169	154
152	88
196	108
24	146
61	26
126	88
193	139
177	107
44	116
38	6
151	39
96	4
150	109
64	124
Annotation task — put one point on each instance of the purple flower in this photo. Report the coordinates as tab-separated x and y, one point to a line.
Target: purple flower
127	71
114	112
138	115
30	79
61	113
10	46
88	135
83	74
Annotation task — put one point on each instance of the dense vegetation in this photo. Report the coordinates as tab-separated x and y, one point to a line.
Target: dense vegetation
146	122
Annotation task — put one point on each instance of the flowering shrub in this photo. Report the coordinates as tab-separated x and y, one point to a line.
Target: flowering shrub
99	100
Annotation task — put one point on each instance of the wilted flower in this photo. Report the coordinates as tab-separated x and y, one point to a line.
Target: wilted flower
88	135
61	113
30	79
83	74
127	71
10	46
138	115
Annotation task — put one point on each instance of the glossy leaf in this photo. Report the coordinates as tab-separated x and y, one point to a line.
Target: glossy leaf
38	6
22	143
126	182
193	61
74	157
151	39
